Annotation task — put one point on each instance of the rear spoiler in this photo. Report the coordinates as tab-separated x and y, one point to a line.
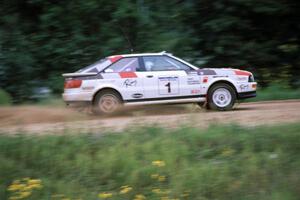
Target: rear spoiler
69	75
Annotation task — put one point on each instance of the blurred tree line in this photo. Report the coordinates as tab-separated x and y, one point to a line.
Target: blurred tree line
41	39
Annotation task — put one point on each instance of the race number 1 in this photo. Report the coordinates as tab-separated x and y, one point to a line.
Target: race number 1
168	85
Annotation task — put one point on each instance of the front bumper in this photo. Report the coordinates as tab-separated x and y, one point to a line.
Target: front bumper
245	95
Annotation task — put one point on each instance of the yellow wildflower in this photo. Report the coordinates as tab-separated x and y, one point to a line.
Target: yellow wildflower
139	197
227	152
25	194
156	191
158	163
125	189
154	176
105	195
166	192
16	187
34	182
161	178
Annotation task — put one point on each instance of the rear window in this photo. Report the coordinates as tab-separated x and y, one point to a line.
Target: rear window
125	65
96	67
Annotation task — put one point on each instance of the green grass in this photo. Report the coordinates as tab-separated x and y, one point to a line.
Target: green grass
276	92
225	162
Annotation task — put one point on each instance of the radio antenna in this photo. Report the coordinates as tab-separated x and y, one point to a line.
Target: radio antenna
126	37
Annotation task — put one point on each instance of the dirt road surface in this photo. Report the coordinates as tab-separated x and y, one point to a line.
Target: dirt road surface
41	120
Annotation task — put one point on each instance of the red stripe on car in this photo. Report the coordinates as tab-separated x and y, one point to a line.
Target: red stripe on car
242	73
127	75
114	58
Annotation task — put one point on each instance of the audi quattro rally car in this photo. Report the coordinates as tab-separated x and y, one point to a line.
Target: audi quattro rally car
155	78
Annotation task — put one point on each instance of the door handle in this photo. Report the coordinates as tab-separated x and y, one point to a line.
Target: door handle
149	76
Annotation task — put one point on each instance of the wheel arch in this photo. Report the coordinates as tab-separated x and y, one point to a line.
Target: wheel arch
106	89
224	82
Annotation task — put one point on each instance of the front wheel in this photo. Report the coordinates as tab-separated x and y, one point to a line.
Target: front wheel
221	97
107	102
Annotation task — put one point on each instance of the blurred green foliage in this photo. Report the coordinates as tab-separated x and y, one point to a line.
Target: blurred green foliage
222	162
276	92
5	98
39	39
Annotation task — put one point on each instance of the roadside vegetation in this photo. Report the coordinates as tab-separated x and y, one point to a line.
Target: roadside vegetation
276	92
5	98
222	162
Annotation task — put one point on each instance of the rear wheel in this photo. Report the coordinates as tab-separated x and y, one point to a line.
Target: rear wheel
107	102
221	97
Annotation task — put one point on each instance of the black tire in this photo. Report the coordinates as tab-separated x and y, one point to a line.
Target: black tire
107	102
221	96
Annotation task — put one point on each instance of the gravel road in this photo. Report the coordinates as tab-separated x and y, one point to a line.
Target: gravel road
41	120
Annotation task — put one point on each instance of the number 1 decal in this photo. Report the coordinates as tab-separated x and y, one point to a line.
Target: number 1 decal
168	85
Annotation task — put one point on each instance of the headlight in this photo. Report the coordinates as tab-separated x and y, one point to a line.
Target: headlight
251	78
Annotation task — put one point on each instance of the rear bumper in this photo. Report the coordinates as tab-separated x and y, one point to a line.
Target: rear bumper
76	95
245	95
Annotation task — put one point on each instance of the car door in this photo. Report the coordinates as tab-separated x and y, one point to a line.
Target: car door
167	78
123	75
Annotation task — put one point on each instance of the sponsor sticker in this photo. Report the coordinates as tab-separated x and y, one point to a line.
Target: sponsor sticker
193	81
244	87
196	91
88	88
130	83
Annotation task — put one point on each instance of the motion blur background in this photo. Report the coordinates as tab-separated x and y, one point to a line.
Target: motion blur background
40	40
182	152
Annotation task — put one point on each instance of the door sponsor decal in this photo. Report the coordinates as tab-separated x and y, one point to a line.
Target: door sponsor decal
193	80
195	91
168	85
130	83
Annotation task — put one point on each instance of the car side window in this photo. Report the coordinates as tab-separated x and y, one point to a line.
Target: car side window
163	63
125	65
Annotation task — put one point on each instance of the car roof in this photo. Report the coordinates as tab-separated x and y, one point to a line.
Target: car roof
143	54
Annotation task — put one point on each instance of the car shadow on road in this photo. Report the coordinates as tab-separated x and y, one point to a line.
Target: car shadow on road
153	110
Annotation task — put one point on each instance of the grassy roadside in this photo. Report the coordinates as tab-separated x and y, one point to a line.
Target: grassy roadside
275	92
225	162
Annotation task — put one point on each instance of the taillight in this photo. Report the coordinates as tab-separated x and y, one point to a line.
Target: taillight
72	83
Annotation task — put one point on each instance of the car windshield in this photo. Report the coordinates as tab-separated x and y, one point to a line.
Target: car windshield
96	67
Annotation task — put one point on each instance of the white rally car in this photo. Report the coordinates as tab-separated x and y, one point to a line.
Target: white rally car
155	78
